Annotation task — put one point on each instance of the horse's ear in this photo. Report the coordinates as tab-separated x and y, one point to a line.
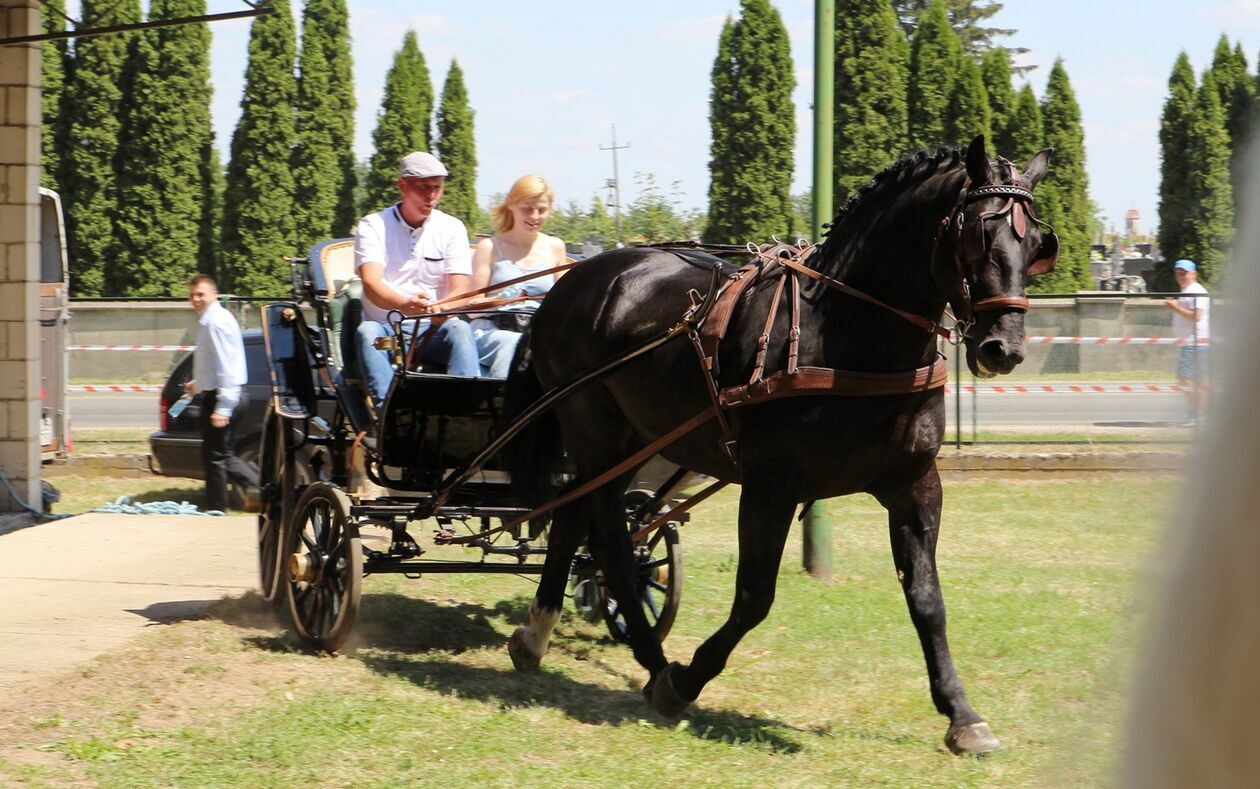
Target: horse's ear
978	162
1037	167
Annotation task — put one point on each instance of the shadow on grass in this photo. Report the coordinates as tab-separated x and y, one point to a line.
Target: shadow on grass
396	635
581	701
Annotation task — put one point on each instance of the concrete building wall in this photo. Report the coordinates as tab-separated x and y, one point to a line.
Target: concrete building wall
19	253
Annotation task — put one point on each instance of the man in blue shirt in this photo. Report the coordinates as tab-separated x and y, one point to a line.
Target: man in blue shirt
219	376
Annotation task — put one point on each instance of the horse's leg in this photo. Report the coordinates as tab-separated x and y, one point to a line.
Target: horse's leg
613	550
764	517
529	642
914	516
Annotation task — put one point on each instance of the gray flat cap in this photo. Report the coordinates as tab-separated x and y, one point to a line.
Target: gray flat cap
419	164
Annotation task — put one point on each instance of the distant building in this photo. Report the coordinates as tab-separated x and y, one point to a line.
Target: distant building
1131	227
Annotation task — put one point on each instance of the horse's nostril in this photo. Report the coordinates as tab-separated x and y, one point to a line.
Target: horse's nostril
993	349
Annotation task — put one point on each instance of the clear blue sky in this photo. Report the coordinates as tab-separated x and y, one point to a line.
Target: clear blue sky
547	79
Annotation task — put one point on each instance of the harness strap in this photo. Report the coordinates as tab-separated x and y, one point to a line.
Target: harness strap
710	385
636	459
500	285
719	318
794	334
679	510
763	342
931	327
827	382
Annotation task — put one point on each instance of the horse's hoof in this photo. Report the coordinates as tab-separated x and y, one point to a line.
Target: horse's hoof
973	739
522	657
663	695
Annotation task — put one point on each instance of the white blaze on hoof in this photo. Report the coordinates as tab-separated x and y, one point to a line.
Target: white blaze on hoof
529	643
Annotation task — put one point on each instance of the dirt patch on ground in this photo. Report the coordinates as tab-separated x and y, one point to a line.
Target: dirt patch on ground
184	673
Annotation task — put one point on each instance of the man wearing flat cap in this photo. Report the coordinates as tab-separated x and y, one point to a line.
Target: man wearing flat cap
410	255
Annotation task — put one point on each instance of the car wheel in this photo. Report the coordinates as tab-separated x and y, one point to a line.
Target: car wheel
240	498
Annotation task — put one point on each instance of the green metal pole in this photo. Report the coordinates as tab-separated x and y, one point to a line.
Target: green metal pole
817	547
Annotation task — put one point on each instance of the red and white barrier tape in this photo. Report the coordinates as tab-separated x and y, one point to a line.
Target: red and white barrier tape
1113	341
1035	389
115	388
130	347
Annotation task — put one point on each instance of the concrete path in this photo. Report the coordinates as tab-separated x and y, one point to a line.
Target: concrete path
77	587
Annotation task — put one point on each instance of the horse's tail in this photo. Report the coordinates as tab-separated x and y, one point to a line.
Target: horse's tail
535	455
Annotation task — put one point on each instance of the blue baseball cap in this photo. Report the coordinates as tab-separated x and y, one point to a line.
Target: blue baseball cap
1184	265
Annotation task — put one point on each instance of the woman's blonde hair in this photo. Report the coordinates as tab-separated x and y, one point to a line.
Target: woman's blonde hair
527	187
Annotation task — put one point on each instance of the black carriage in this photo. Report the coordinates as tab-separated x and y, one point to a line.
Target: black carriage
329	471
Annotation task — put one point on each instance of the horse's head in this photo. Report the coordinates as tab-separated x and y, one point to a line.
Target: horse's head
995	244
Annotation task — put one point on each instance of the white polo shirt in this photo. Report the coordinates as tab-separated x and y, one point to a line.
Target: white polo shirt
416	260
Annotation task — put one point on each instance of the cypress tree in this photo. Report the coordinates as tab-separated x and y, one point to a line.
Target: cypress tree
315	164
212	185
1064	195
94	110
1024	130
935	57
1210	231
55	64
969	113
871	70
258	228
995	71
1236	91
161	161
402	125
327	23
1174	171
457	149
722	166
758	128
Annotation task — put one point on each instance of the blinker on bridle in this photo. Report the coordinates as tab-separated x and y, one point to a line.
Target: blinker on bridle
969	241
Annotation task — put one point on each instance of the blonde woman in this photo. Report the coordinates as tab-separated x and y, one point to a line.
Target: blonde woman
517	248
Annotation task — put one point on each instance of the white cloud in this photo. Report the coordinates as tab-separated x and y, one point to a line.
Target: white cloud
1245	13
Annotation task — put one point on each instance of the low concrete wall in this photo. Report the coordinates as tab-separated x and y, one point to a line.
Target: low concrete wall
174	323
1090	315
137	323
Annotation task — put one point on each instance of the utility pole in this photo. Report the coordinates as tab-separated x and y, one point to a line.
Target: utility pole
817	553
615	183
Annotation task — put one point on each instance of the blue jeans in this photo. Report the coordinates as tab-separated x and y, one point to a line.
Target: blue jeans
452	344
495	346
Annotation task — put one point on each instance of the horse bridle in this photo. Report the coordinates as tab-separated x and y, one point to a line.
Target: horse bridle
969	242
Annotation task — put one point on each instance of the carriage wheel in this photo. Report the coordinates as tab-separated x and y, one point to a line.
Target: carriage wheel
272	489
658	581
324	566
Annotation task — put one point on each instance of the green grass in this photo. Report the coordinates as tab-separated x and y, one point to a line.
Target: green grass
1041	578
80	493
112	440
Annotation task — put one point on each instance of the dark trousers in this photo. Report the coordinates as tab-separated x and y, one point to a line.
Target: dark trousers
217	456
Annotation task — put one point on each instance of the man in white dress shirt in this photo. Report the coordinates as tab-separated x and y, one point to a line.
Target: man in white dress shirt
219	376
408	256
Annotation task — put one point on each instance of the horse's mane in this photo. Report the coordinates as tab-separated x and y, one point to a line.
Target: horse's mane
908	168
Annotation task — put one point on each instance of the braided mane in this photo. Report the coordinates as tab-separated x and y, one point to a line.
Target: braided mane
907	168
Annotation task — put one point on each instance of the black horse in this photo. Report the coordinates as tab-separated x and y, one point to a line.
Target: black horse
949	226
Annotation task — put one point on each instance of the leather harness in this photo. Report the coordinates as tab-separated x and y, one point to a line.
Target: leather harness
706	324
